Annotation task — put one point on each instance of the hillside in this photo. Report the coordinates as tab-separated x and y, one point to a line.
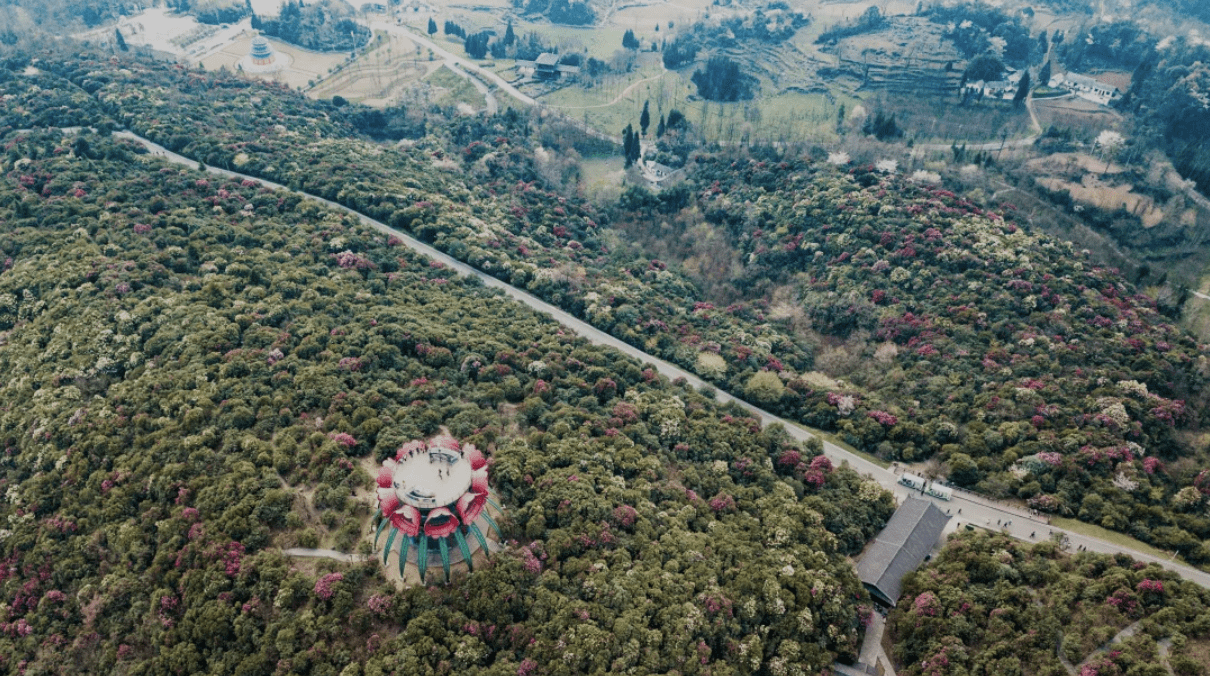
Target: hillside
197	370
913	322
959	336
991	605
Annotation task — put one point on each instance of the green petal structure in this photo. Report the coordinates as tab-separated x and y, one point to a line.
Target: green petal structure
386	551
403	554
479	536
382	525
492	522
464	548
422	557
444	547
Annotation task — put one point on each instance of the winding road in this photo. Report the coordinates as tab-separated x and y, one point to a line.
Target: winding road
463	64
967	509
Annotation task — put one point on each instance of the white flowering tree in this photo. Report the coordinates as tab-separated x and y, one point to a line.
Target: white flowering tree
1109	143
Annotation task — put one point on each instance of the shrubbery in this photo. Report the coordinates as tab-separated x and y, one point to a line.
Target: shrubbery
989	604
191	356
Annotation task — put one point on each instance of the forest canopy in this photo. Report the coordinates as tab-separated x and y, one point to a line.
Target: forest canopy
201	369
325	26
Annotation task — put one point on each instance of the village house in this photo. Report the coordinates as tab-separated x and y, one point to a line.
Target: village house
547	67
997	89
1086	87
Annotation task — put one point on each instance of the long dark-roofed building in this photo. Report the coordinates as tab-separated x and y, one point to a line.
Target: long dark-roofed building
547	67
913	531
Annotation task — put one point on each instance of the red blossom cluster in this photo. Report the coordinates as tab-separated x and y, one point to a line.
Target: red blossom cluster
324	586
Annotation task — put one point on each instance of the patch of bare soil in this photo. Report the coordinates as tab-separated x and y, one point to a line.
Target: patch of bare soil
1074	112
1092	190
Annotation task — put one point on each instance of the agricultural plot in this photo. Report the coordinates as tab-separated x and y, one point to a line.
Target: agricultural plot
379	76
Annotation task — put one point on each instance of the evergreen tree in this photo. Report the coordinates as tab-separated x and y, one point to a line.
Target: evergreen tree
629	41
626	145
676	119
121	40
1044	75
659	129
645	118
722	80
432	26
1022	90
631	147
476	45
509	36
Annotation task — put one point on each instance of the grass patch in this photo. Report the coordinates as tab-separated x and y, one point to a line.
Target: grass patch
600	42
785	117
458	89
1197	317
1107	535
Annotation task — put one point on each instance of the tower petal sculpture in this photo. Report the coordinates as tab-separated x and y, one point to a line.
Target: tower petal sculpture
430	496
474	456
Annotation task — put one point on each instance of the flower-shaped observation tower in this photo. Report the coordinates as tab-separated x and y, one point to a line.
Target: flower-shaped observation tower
430	495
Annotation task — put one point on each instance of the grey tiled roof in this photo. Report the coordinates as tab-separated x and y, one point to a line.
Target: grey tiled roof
901	546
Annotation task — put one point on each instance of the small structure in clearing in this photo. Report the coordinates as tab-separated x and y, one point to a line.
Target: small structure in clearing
547	67
263	58
1086	87
912	532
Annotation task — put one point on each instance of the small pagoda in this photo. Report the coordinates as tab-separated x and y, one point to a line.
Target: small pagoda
261	52
262	58
432	495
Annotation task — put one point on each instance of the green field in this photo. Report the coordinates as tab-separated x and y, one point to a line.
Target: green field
458	89
784	117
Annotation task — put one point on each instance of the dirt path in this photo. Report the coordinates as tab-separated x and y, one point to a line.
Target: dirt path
619	97
1162	648
1071	668
324	554
471	68
1118	638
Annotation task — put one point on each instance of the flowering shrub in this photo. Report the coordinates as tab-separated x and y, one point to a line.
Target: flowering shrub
325	586
722	503
343	439
625	515
926	604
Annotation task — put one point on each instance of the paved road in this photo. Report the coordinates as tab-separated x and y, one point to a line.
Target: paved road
324	554
966	509
492	106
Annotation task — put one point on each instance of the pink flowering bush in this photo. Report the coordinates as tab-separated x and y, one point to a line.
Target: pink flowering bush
625	515
1150	586
927	604
343	439
379	605
325	586
722	503
353	261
